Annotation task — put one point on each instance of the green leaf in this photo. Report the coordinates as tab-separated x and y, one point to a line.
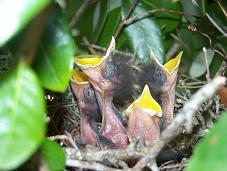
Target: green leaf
99	18
72	7
217	15
215	65
106	20
190	8
143	35
166	20
211	151
14	15
54	59
85	24
53	155
198	67
111	24
22	116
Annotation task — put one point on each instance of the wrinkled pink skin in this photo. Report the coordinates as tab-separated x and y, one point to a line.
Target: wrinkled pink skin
143	128
112	128
88	135
166	93
168	99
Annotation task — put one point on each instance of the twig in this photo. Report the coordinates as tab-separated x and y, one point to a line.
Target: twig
122	24
173	166
207	64
71	140
87	44
184	118
193	28
216	25
194	79
127	20
79	12
179	40
96	47
153	166
150	153
150	12
89	165
93	47
222	8
58	137
94	154
188	86
172	51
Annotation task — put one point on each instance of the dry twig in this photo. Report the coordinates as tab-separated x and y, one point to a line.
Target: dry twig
58	137
89	165
216	25
222	8
122	24
184	118
207	64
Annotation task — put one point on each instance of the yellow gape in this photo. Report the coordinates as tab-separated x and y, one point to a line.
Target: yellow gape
79	77
92	60
173	63
146	101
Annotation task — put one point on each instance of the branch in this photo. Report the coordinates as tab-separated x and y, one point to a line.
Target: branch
208	77
95	154
89	165
184	118
93	47
222	8
150	152
122	24
151	12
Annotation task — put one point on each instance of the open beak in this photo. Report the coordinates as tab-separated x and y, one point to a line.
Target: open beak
89	110
93	67
144	115
104	77
164	83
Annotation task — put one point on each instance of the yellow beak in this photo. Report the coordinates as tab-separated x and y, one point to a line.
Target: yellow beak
79	77
94	61
147	102
169	66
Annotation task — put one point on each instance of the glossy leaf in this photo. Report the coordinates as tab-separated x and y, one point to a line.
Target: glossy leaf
166	20
198	67
143	35
99	18
71	7
53	155
211	152
22	116
217	14
14	15
111	23
54	61
190	8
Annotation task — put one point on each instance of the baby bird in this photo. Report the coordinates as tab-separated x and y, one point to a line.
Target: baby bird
143	119
161	80
88	106
105	75
89	111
